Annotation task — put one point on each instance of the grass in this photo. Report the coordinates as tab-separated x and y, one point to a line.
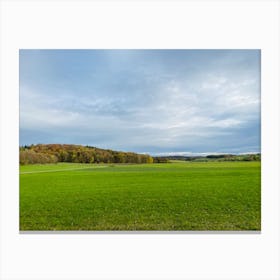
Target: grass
173	196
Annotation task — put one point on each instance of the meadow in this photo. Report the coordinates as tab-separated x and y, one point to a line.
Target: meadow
166	197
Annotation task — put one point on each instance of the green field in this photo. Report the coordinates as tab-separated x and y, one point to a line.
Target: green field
172	196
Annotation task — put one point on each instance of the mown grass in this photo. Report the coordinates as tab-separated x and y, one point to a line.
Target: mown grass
174	196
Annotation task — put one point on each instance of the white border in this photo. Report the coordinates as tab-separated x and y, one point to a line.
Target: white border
156	24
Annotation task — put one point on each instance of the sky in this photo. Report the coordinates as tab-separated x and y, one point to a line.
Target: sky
160	102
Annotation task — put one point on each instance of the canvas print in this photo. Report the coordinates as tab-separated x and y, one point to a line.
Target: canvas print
140	140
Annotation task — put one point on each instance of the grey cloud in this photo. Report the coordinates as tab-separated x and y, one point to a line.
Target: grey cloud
198	108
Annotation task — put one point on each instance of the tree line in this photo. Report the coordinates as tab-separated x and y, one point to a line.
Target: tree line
53	153
219	157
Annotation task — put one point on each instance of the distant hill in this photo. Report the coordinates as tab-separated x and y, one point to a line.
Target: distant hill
219	157
52	153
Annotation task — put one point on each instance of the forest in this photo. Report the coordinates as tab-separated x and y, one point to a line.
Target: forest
215	157
53	153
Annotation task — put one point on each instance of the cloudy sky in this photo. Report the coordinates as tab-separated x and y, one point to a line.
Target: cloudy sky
147	101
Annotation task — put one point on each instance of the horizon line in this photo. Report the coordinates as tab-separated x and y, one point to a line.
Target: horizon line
156	154
201	153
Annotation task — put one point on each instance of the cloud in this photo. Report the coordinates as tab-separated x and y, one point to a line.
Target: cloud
144	101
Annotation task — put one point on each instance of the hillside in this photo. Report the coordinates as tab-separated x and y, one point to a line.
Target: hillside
219	157
52	153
